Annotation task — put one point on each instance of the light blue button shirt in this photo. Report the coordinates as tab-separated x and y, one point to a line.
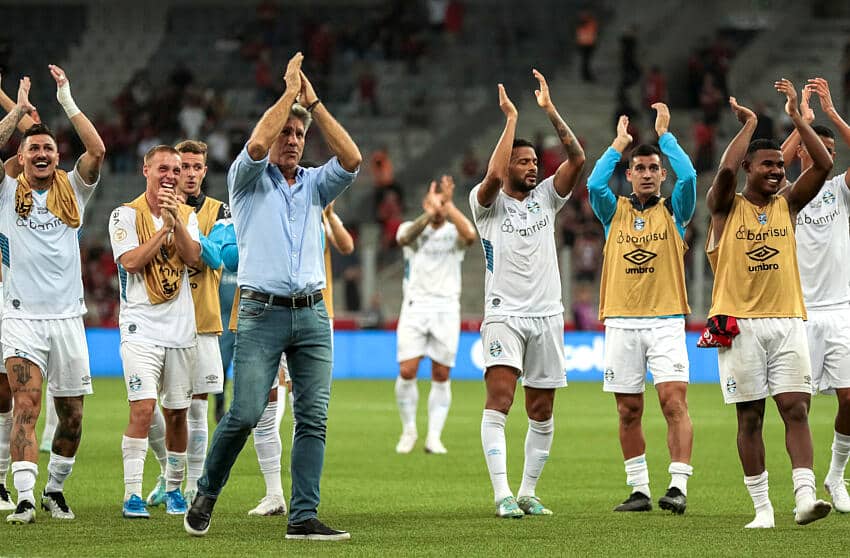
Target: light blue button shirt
278	226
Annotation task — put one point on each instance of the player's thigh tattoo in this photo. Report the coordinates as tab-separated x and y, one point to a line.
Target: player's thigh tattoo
22	372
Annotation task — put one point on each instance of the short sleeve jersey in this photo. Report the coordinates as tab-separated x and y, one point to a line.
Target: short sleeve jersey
169	324
521	260
41	255
432	269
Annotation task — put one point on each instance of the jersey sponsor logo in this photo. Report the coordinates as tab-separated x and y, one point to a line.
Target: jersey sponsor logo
40	227
496	349
640	258
119	235
640	239
804	219
639	223
134	383
743	233
761	255
731	385
508	227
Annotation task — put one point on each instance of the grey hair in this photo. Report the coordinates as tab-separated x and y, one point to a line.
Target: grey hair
301	113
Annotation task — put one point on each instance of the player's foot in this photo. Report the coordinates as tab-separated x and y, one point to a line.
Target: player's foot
836	490
816	510
530	505
175	504
135	508
406	442
157	495
196	522
636	502
434	445
54	502
314	530
508	507
24	513
673	501
6	503
763	520
270	505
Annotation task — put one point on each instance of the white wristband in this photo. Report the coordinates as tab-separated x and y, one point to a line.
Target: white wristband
63	95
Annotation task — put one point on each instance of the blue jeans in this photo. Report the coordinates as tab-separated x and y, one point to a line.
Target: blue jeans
263	333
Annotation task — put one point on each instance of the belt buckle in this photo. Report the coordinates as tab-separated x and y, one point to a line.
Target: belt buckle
310	298
293	302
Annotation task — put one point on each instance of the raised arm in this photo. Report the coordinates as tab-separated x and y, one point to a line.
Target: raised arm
92	160
274	119
721	195
338	140
433	201
8	104
336	232
568	172
821	87
465	229
10	121
684	196
602	199
792	142
810	181
497	168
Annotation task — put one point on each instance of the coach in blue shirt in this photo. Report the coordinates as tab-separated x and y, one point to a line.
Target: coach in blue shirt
277	212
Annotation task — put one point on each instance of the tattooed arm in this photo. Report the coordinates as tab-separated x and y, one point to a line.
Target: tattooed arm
8	124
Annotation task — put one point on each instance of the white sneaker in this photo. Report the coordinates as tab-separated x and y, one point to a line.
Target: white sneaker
818	509
838	492
406	442
270	505
434	445
763	520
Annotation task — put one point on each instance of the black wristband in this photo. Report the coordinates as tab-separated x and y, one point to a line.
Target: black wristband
312	105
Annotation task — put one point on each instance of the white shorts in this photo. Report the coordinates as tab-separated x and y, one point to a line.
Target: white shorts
151	370
58	347
630	352
208	376
770	356
828	332
534	346
431	334
283	369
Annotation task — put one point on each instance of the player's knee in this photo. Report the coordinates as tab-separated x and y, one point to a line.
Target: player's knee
440	373
141	414
675	410
408	369
71	420
844	400
750	423
630	412
796	412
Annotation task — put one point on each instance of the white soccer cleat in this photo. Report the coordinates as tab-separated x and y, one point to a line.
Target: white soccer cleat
434	445
24	513
838	492
270	505
54	502
406	442
6	503
763	520
818	509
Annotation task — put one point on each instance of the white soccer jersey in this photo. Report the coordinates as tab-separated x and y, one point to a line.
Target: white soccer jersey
169	324
518	237
41	256
432	269
823	246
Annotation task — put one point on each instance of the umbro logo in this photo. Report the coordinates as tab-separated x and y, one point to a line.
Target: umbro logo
762	253
639	256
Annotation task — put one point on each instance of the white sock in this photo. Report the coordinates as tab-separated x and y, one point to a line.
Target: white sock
804	487
495	451
538	441
23	475
407	397
5	437
840	453
133	450
757	487
637	474
679	473
269	448
196	451
439	401
156	438
51	420
58	469
175	470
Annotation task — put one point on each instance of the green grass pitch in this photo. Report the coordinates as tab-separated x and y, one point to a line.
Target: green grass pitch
422	504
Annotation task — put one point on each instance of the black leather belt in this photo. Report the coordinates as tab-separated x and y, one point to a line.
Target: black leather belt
288	302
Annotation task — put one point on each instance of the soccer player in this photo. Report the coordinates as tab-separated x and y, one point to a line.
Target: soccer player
757	301
822	248
277	212
429	322
208	376
154	240
643	301
523	329
43	338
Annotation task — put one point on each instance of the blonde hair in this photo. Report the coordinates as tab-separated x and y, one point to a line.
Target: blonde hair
159	149
192	146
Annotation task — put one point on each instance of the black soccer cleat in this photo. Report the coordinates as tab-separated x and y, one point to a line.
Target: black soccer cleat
673	501
314	530
196	522
636	502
